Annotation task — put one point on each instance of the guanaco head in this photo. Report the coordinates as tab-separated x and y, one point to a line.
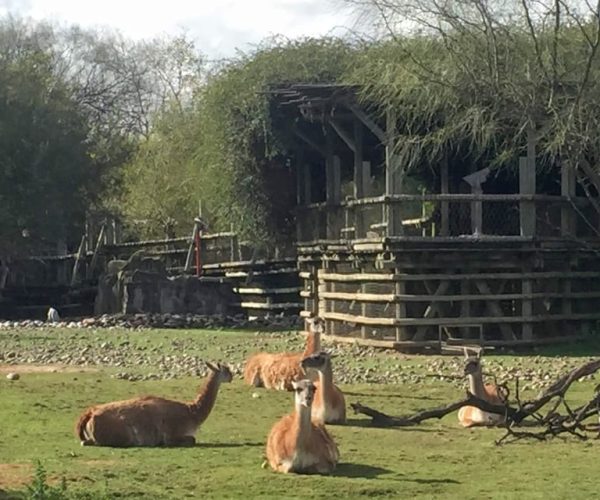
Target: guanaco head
222	371
472	361
304	392
315	324
320	361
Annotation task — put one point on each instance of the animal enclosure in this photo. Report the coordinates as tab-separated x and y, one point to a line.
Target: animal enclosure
448	252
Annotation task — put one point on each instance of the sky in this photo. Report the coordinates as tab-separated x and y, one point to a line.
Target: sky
217	26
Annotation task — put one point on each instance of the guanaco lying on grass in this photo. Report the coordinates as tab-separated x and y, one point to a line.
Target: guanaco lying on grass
149	420
329	406
278	370
470	416
296	443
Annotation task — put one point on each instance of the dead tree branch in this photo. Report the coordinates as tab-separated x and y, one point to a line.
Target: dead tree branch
553	423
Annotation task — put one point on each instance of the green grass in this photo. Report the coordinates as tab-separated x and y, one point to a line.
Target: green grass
434	460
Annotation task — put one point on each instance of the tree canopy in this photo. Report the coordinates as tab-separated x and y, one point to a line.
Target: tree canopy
91	122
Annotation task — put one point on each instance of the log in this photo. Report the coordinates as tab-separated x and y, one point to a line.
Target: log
513	415
380	419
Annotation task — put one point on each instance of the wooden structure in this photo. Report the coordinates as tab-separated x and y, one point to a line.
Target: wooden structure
478	257
267	284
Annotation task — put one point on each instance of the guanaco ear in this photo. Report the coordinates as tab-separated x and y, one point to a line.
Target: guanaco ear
294	384
211	366
466	352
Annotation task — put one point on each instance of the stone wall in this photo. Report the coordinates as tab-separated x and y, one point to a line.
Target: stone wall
145	288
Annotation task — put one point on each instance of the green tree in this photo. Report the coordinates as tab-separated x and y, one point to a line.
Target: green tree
46	171
240	147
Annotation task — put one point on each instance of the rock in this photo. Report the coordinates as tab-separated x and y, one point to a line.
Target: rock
13	376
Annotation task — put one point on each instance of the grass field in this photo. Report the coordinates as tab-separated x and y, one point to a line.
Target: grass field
434	460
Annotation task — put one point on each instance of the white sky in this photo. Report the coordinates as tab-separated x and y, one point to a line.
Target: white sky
218	26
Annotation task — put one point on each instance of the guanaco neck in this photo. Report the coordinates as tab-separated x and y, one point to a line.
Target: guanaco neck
476	386
204	402
303	423
313	344
326	376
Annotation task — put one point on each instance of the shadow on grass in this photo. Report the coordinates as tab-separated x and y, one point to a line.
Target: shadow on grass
370	472
417	480
228	445
586	346
391	395
366	422
359	470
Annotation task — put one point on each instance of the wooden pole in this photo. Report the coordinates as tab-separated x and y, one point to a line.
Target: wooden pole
400	289
526	186
333	187
567	189
359	182
445	206
527	309
78	259
190	253
392	228
90	269
198	242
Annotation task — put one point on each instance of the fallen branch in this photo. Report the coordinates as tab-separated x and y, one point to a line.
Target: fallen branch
553	423
380	419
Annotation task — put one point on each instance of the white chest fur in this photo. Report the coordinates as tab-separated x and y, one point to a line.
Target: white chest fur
303	459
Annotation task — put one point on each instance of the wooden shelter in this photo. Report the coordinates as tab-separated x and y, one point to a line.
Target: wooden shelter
496	257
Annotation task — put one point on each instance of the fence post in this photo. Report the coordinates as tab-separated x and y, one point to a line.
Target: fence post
78	259
190	254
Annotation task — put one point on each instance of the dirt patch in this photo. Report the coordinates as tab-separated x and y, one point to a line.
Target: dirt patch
14	476
100	463
51	368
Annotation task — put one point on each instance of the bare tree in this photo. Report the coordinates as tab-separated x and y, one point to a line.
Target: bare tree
513	66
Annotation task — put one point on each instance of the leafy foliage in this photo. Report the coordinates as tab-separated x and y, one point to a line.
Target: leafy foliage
162	182
47	171
73	107
471	79
39	489
236	158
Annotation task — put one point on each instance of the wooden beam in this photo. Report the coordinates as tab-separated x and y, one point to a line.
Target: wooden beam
317	147
99	242
400	309
267	291
392	177
343	134
314	285
568	182
527	186
433	309
271	307
359	178
465	305
392	297
78	259
527	309
368	122
495	310
445	206
381	277
359	183
391	322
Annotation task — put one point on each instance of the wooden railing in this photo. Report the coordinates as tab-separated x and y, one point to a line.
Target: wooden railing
448	215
